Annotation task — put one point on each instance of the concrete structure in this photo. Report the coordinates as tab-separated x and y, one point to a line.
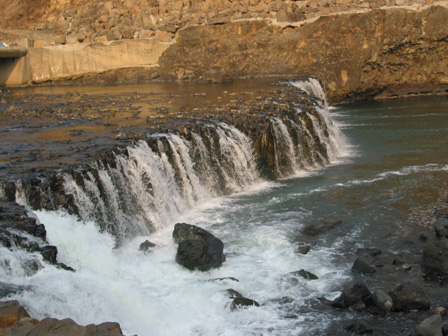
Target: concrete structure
68	61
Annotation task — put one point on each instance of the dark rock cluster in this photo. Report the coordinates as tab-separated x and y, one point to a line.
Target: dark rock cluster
20	231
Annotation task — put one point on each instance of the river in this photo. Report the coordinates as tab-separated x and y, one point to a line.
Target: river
384	186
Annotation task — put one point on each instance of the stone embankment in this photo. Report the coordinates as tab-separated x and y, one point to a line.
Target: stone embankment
358	49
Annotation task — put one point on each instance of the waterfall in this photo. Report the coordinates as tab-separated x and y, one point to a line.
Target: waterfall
138	189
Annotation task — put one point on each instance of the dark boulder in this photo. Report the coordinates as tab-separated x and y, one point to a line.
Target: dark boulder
242	302
441	228
431	326
198	249
435	260
352	296
363	265
321	227
410	296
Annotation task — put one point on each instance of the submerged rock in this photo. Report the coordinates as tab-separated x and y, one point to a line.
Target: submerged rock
198	249
303	249
146	246
303	274
321	227
242	302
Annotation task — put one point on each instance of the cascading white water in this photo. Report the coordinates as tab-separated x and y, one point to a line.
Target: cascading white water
146	189
335	141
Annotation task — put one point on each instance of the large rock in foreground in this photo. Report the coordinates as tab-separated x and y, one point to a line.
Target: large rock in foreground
410	296
198	248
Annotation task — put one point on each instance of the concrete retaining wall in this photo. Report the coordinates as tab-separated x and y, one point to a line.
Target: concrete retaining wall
69	61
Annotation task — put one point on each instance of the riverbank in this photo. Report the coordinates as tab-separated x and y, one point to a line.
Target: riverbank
358	52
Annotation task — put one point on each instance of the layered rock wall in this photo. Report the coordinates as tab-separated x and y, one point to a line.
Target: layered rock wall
353	54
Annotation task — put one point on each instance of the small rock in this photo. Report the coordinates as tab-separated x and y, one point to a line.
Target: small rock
49	253
65	267
306	275
242	302
431	326
439	311
303	249
382	301
146	246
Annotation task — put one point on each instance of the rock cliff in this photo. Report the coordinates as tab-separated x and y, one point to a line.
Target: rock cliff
356	54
